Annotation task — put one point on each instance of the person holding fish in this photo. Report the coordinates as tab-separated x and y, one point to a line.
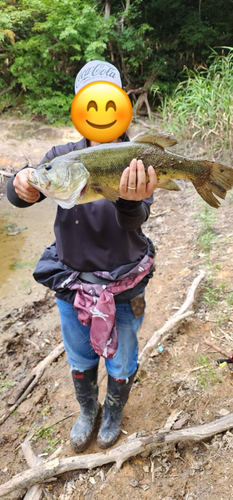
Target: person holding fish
101	261
98	266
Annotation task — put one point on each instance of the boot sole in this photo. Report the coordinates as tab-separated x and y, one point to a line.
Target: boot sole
84	446
103	445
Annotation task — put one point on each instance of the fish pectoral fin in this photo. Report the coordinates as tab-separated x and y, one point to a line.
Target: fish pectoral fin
168	184
106	191
219	181
162	140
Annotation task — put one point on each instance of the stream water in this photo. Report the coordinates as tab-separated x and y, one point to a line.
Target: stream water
24	233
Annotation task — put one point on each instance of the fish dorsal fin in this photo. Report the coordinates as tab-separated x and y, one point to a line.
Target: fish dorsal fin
162	140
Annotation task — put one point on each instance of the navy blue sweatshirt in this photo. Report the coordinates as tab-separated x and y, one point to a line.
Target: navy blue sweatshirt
99	235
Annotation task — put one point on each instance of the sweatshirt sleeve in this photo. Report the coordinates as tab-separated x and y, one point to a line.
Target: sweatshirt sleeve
14	199
131	214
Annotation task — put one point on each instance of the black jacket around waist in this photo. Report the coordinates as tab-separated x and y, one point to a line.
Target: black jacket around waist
52	273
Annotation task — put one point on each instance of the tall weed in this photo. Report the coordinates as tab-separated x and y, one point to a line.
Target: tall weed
202	104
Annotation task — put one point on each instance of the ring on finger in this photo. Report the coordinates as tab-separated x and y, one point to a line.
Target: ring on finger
131	187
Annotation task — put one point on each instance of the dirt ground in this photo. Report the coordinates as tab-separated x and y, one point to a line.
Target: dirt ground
183	381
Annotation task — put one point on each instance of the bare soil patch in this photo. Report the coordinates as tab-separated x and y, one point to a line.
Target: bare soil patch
184	377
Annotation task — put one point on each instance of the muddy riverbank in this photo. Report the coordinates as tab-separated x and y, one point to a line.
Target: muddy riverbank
184	378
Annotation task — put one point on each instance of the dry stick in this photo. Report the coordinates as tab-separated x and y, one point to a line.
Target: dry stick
191	292
132	446
31	380
181	314
216	348
160	334
36	491
4	172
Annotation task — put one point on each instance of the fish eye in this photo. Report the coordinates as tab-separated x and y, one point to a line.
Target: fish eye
110	104
92	104
48	167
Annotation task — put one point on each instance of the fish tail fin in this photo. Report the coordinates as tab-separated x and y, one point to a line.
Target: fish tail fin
216	185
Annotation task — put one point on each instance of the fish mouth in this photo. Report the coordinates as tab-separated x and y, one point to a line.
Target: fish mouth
39	181
83	191
101	126
34	179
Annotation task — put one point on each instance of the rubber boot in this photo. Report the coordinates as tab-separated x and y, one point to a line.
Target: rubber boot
116	398
86	390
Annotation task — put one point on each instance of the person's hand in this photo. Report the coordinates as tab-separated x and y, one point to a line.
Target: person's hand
133	185
23	189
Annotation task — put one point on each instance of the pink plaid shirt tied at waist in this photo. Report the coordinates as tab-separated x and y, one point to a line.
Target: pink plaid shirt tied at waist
96	306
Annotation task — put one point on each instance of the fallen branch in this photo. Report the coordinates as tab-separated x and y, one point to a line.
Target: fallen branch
191	293
160	335
36	491
179	316
159	214
165	330
5	173
31	380
216	348
132	446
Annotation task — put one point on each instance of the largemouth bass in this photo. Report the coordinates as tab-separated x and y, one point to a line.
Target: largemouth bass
87	174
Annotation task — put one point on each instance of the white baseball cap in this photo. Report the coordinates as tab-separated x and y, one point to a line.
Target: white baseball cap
97	71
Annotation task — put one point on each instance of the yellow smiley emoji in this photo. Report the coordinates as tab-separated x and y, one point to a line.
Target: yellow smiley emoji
101	111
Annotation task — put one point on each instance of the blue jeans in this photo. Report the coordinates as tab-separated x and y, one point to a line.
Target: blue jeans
81	356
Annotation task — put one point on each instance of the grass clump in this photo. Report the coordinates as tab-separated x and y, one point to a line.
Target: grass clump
202	104
4	382
49	434
207	375
206	234
212	296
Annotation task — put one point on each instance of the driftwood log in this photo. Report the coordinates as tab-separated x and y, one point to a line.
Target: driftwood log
42	471
132	446
4	173
36	491
172	322
167	328
26	386
31	380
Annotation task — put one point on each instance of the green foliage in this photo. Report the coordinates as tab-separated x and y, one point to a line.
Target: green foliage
49	434
207	375
129	39
212	295
44	43
218	299
230	299
21	265
43	62
4	382
202	104
206	236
